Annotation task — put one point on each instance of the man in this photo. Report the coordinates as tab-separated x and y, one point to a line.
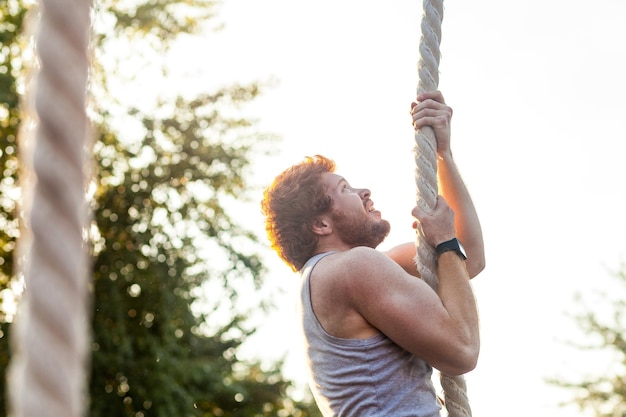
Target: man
372	329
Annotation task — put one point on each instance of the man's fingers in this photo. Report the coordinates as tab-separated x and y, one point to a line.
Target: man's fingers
434	121
433	95
418	213
428	104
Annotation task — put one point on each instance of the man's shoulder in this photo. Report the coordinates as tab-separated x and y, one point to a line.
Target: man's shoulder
358	262
360	253
356	275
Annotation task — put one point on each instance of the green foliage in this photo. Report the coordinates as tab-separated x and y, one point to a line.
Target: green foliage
164	342
604	395
161	20
158	201
11	20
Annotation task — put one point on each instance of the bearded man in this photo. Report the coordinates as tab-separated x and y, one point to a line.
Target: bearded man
373	330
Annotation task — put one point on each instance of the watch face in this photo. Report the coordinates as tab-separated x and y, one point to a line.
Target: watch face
462	250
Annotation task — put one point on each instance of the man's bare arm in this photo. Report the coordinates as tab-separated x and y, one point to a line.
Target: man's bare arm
431	110
441	328
466	222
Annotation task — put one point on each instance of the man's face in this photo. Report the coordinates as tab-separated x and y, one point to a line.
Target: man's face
355	221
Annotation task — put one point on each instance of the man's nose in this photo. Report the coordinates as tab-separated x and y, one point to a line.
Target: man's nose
364	193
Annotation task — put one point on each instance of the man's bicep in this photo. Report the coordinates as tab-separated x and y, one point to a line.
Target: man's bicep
406	310
396	303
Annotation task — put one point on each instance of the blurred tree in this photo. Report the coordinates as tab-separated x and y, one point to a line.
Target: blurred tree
604	326
11	21
169	261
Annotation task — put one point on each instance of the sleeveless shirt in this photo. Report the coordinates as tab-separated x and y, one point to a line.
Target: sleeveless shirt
370	377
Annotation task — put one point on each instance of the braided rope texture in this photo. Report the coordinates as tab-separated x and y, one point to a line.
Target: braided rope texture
425	151
47	376
425	142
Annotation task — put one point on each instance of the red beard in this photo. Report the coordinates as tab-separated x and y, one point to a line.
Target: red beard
360	230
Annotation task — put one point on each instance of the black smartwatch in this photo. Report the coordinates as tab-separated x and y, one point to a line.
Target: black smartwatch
452	245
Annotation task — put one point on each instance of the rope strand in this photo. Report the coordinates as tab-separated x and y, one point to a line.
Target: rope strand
425	151
48	371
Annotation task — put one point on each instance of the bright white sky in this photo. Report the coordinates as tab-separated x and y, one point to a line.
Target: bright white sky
539	132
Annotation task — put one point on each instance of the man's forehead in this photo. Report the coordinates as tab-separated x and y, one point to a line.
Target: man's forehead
331	179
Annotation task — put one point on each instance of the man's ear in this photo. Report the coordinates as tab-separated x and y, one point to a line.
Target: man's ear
321	226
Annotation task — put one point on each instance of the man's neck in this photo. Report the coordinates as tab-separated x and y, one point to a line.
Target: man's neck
328	244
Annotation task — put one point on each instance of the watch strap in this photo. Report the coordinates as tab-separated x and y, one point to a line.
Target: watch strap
451	245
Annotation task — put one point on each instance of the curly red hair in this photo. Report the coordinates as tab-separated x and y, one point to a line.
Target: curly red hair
291	204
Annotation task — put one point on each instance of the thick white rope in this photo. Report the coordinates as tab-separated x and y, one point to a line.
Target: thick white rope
47	376
455	395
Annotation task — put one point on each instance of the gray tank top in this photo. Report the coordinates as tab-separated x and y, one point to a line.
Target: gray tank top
370	377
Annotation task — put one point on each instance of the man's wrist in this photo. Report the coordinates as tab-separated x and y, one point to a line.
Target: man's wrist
452	245
445	155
